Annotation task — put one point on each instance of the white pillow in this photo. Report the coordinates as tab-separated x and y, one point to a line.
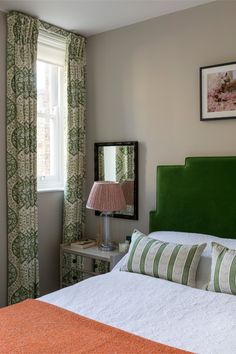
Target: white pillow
204	268
223	269
167	260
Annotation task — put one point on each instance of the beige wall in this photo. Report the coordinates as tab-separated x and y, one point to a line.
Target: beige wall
50	205
143	84
50	226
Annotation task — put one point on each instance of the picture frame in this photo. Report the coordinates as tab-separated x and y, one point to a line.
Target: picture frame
218	92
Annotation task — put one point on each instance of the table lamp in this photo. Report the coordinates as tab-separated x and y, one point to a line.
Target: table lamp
106	197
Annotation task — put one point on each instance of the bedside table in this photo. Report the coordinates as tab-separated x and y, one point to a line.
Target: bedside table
84	263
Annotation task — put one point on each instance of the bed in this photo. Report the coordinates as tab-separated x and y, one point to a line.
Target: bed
193	201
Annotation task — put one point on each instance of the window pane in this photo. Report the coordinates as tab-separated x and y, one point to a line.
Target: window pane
49	79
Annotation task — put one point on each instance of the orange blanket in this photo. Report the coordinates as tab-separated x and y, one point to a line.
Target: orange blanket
36	327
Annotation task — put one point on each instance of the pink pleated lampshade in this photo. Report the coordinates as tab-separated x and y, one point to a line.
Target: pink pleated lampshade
106	196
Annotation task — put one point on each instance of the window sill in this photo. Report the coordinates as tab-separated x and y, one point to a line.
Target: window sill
50	190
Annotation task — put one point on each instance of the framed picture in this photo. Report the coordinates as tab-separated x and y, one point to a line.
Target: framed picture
218	92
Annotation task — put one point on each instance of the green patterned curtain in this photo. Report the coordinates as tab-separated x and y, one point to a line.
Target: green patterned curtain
124	163
74	203
101	167
23	269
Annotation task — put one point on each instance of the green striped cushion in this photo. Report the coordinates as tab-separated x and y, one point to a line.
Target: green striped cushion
223	270
170	261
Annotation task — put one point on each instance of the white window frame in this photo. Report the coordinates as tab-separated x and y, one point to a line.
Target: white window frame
47	44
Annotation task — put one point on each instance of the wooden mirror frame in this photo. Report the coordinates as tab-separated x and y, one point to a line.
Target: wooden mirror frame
96	174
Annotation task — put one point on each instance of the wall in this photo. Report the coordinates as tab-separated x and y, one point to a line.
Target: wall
50	233
3	226
143	84
50	205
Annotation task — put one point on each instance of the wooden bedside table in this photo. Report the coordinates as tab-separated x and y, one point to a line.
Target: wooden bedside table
85	263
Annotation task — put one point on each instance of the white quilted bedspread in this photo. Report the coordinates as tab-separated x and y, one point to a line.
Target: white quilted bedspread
169	313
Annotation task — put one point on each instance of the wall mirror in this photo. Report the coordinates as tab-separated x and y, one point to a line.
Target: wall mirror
118	162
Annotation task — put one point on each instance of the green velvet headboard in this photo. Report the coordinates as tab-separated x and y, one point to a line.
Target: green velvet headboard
199	197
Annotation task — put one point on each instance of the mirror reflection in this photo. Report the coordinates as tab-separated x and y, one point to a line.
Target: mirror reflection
116	162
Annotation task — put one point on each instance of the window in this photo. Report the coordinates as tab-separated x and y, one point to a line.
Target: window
50	112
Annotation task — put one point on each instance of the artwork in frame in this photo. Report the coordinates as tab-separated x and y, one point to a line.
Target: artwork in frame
218	92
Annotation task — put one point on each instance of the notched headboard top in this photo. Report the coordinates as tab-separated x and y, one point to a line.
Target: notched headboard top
198	197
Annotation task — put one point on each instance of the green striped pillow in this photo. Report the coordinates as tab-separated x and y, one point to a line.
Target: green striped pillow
223	270
170	261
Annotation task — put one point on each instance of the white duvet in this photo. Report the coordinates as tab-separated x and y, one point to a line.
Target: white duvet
166	312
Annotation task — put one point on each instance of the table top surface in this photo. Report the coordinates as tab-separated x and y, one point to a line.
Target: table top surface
92	252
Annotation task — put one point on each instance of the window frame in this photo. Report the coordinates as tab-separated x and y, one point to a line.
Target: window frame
57	181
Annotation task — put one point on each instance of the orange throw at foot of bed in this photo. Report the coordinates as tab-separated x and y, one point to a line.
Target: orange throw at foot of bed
36	327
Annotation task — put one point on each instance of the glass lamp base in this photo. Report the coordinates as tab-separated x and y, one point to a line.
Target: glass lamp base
110	247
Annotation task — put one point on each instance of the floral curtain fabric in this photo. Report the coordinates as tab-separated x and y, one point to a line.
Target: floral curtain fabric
74	203
124	163
23	268
101	166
